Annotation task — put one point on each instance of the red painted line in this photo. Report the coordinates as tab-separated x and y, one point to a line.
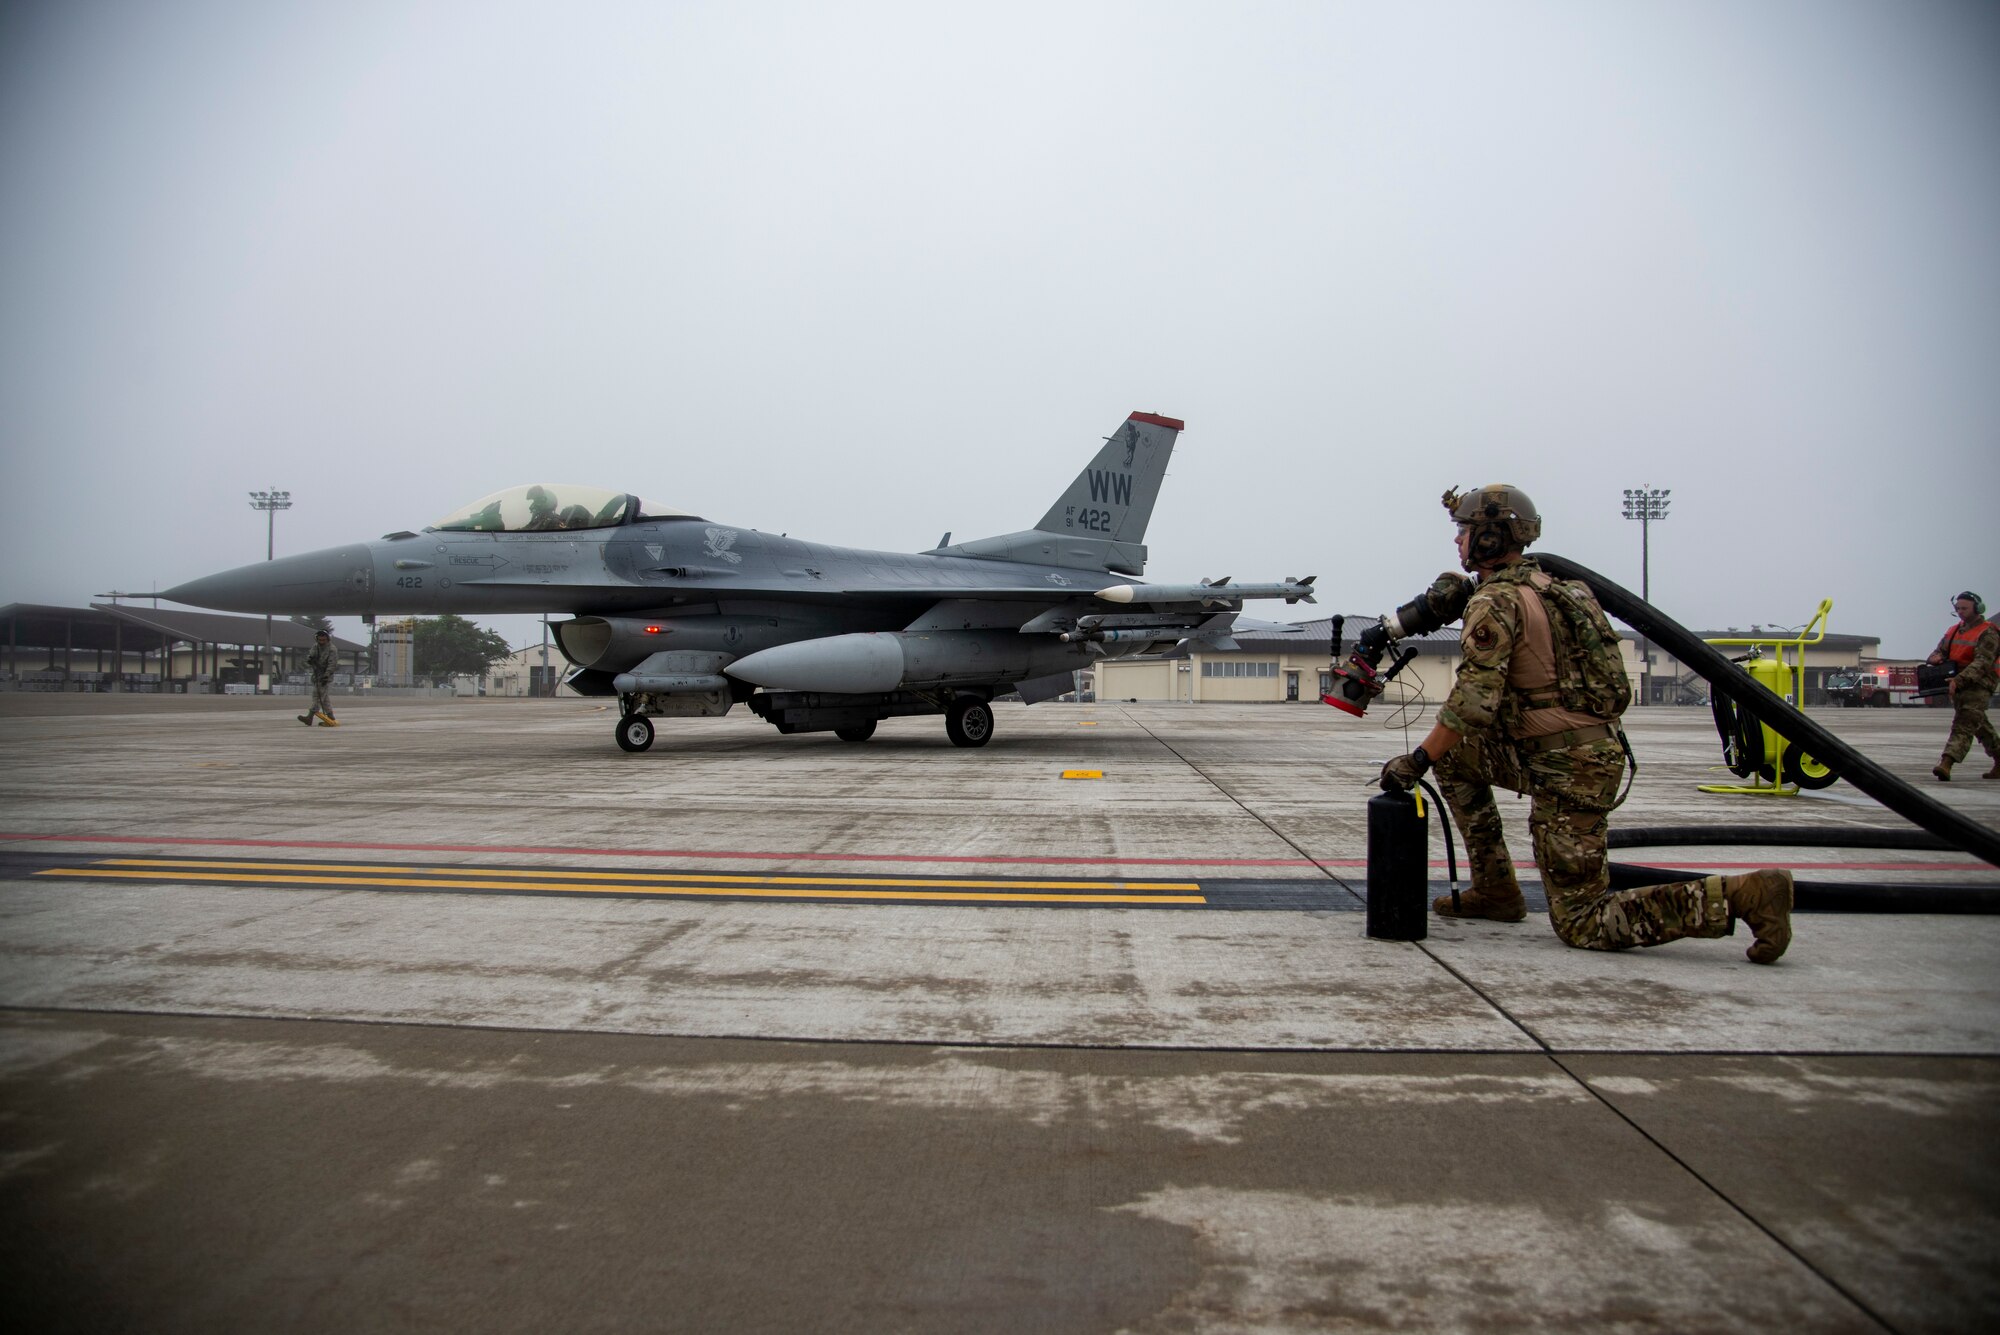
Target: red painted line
651	852
1726	866
1841	866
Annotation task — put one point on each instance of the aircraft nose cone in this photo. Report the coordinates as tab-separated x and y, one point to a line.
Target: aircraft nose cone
338	579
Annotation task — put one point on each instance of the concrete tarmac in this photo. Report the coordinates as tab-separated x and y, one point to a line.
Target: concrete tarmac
458	1015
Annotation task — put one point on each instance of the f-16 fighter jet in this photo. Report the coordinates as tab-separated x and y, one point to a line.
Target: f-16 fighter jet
679	616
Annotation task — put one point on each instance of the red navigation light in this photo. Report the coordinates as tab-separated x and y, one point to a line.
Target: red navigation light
652	630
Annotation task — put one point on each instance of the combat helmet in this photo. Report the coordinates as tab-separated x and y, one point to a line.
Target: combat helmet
1501	517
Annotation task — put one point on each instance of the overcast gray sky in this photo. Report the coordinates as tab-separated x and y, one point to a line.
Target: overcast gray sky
867	272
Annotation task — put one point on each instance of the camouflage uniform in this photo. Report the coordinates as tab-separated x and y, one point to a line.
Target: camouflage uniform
1573	788
1972	694
320	664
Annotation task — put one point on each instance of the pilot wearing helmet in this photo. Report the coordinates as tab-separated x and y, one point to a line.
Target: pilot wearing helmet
1535	708
1969	644
541	510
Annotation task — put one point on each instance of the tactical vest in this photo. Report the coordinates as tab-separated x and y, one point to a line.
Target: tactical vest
1590	671
1961	640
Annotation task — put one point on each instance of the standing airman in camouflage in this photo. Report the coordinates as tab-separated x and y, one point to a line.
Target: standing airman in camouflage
1971	642
320	664
1535	709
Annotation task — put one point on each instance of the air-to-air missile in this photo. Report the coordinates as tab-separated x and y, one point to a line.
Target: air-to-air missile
1209	593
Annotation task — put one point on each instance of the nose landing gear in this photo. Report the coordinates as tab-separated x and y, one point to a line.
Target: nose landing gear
635	732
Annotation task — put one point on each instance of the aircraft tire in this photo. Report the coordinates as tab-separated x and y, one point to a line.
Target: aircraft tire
969	722
860	732
635	732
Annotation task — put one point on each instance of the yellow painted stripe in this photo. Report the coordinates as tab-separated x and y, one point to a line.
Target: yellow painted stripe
370	868
703	878
733	891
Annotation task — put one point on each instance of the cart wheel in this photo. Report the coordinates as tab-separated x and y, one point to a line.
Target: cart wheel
859	732
1806	772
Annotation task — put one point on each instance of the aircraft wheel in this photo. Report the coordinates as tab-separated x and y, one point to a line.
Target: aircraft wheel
1806	772
635	732
969	722
860	732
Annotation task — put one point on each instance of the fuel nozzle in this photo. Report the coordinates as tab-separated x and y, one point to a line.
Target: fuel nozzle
1362	677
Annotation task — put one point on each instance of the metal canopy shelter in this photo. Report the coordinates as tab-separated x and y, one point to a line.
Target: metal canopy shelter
101	639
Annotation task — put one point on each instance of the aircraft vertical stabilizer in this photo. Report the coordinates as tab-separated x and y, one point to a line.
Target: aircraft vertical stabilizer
1113	496
1099	523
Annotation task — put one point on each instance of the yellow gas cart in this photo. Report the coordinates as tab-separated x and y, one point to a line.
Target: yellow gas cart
1751	749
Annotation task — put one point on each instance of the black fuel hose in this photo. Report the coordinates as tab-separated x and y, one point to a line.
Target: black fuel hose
1450	851
1776	836
1842	896
1823	896
1752	698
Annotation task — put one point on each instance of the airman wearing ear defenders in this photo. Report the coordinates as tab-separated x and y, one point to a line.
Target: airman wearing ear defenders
1541	685
1971	643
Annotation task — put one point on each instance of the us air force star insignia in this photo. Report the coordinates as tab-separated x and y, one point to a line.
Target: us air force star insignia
1482	636
1059	579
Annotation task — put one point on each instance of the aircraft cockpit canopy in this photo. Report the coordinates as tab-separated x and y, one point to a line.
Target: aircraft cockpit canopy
551	506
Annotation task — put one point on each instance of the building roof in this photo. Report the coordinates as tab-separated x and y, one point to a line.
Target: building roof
1258	635
216	628
103	626
1318	635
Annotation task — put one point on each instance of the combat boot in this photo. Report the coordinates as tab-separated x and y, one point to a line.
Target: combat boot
1764	900
1493	905
1943	769
306	719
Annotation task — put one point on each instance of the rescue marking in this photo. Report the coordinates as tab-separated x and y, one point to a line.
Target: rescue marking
1083	774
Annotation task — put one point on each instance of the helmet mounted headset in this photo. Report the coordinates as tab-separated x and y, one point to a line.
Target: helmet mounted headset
1500	519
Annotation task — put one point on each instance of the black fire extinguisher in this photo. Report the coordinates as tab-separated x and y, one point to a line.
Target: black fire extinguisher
1399	863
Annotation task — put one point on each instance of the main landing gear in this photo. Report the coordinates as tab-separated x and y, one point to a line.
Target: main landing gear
968	721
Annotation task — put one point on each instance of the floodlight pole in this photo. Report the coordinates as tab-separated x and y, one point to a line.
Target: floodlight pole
1646	504
270	502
